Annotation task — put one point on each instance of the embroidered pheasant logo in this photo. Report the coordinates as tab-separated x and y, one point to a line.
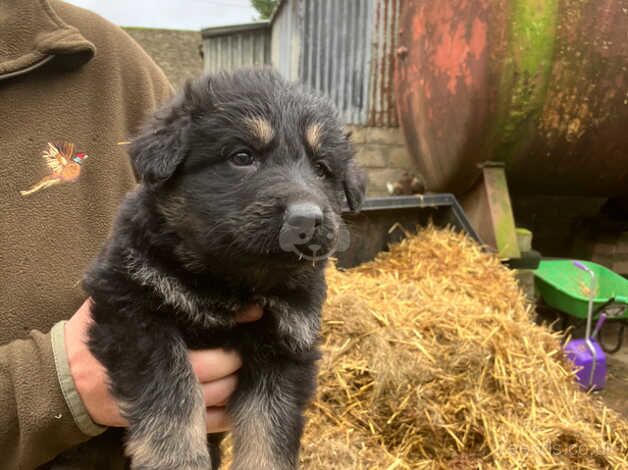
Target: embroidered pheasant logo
64	164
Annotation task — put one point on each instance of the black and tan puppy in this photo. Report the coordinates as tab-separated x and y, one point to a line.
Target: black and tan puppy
235	172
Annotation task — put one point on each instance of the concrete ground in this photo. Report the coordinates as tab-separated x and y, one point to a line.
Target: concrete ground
615	395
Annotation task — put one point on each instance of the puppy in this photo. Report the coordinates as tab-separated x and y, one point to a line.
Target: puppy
243	177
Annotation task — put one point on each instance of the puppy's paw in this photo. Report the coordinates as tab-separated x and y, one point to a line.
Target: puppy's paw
196	466
182	466
183	451
201	463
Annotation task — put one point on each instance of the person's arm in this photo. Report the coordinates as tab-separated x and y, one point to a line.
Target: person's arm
35	421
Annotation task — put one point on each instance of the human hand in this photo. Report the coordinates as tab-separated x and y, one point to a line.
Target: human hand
216	370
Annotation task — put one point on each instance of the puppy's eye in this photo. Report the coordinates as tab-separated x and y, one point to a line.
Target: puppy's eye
242	158
322	170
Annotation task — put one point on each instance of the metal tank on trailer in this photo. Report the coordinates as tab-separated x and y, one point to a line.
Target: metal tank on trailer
540	85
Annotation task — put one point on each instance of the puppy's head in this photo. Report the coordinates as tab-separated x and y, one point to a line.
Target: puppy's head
245	167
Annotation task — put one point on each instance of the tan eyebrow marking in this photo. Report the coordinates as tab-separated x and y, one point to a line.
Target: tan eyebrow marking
313	135
261	128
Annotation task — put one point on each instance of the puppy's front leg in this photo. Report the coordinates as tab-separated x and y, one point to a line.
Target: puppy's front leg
267	413
160	397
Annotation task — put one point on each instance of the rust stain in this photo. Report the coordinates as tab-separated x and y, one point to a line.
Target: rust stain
454	48
450	54
417	26
478	38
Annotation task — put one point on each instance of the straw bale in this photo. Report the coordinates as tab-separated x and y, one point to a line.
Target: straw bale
432	360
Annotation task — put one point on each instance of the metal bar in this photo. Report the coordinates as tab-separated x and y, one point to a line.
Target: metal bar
374	204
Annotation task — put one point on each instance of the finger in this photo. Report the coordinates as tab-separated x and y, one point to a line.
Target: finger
217	419
249	313
214	364
217	393
81	320
116	420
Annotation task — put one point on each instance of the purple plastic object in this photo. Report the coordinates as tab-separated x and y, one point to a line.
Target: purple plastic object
598	325
587	355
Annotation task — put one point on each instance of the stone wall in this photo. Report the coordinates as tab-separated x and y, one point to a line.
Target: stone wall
611	249
604	242
382	153
177	52
574	227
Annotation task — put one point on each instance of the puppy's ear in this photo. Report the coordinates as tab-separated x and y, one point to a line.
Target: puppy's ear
161	147
354	185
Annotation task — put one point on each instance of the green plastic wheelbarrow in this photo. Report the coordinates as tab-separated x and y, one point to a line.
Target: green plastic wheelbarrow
566	287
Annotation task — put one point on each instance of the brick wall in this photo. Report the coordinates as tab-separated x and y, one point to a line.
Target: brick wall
176	52
382	153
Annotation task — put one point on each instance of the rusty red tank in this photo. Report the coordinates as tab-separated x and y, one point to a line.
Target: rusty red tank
541	85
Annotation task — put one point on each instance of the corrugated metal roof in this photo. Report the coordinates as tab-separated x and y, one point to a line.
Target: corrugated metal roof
234	28
228	52
277	10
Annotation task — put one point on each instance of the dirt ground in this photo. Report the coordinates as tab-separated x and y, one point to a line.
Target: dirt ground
615	395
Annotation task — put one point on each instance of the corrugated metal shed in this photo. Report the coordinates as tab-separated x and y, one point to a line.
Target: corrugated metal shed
228	48
286	39
344	49
337	53
382	109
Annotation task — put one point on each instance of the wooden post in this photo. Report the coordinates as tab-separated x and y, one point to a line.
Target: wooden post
488	208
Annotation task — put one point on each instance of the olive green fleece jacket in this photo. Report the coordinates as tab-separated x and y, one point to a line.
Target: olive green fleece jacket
72	86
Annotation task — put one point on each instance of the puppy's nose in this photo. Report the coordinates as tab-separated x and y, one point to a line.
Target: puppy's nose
304	215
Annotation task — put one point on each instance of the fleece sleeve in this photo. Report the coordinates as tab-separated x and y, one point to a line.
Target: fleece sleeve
36	423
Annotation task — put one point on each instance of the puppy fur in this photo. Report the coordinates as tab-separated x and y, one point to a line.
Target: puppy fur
198	241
